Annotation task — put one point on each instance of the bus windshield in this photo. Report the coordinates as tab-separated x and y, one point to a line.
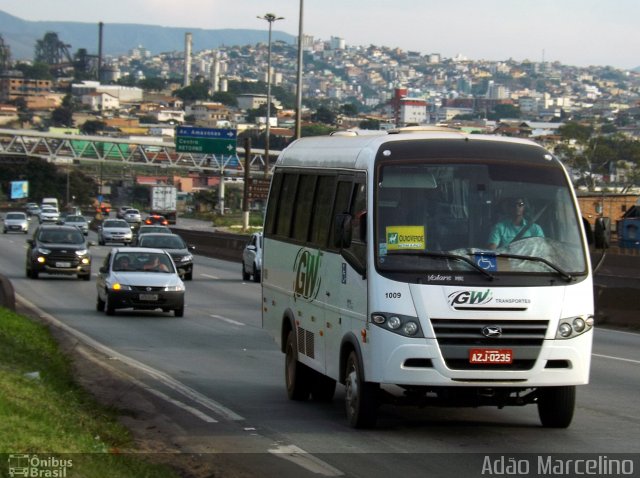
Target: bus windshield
483	217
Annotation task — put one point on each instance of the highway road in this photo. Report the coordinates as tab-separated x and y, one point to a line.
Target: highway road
219	377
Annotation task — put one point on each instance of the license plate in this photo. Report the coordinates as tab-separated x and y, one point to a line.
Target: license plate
148	296
491	356
63	264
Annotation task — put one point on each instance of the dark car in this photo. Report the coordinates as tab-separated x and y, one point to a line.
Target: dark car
142	230
174	245
140	279
56	249
156	219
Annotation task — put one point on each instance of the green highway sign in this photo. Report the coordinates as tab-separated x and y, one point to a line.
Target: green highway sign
205	140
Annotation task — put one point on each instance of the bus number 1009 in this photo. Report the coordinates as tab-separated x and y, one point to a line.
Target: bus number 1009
393	295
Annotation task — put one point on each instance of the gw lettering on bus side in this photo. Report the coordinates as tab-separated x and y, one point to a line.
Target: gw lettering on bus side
307	278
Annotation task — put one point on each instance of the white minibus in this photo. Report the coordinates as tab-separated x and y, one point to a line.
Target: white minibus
427	266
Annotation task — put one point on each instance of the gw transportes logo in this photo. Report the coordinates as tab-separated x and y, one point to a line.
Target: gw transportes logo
469	298
307	275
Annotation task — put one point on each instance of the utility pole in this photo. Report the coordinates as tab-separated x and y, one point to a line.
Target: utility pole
269	17
247	180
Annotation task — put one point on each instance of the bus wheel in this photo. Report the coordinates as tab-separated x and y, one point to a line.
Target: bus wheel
322	388
361	398
556	406
297	375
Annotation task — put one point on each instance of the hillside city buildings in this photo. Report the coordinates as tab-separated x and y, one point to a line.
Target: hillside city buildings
387	87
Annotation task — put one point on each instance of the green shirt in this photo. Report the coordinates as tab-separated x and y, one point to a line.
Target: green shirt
504	232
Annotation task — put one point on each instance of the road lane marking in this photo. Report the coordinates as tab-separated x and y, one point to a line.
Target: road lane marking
305	460
163	396
230	321
210	276
162	377
617	358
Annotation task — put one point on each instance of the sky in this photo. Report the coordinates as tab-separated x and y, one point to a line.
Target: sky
573	32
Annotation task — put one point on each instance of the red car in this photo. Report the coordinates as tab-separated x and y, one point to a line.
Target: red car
156	219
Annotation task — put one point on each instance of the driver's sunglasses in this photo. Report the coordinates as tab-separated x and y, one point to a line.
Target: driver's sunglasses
520	204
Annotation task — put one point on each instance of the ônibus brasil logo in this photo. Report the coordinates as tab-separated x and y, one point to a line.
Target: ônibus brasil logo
307	281
470	297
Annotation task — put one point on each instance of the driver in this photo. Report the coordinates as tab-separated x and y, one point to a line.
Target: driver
504	232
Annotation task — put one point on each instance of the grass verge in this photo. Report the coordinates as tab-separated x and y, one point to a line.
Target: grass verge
43	411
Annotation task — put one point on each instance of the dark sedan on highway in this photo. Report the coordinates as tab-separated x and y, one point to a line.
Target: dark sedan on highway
174	245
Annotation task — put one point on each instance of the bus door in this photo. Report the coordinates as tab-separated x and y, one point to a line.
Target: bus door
345	271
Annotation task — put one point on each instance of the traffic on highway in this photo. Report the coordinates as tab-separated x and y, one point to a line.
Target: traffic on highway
218	377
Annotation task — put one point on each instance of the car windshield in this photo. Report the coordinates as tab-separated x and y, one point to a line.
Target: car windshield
115	223
142	262
436	219
75	219
15	215
165	241
61	237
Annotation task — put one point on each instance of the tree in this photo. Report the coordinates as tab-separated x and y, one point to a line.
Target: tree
324	115
369	124
504	111
152	84
5	55
92	127
577	131
197	91
315	130
37	71
63	115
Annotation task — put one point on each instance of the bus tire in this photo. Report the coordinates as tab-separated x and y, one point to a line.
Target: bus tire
361	398
556	406
322	388
297	375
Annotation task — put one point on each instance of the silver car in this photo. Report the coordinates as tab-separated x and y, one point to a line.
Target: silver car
114	230
132	216
140	279
79	221
15	222
252	258
48	214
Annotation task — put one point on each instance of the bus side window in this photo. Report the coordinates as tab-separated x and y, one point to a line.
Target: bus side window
359	223
321	221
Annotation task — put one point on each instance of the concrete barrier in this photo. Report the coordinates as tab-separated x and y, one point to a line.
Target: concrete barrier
7	294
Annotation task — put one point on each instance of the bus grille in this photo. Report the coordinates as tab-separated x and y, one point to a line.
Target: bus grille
456	337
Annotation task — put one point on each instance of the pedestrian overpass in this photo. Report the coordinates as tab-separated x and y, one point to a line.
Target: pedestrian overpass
60	148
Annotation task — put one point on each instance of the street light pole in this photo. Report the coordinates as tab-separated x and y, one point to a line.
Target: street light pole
269	17
299	75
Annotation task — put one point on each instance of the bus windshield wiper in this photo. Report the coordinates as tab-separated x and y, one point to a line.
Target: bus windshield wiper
565	275
444	255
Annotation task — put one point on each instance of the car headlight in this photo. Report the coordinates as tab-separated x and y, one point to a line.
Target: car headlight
399	324
186	258
174	288
118	286
81	252
573	326
44	251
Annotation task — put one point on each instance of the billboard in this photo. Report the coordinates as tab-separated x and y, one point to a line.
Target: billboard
19	189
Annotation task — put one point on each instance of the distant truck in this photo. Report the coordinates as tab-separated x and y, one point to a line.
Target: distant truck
163	202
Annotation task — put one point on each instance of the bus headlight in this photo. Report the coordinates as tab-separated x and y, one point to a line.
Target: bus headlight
398	324
573	326
410	328
394	323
